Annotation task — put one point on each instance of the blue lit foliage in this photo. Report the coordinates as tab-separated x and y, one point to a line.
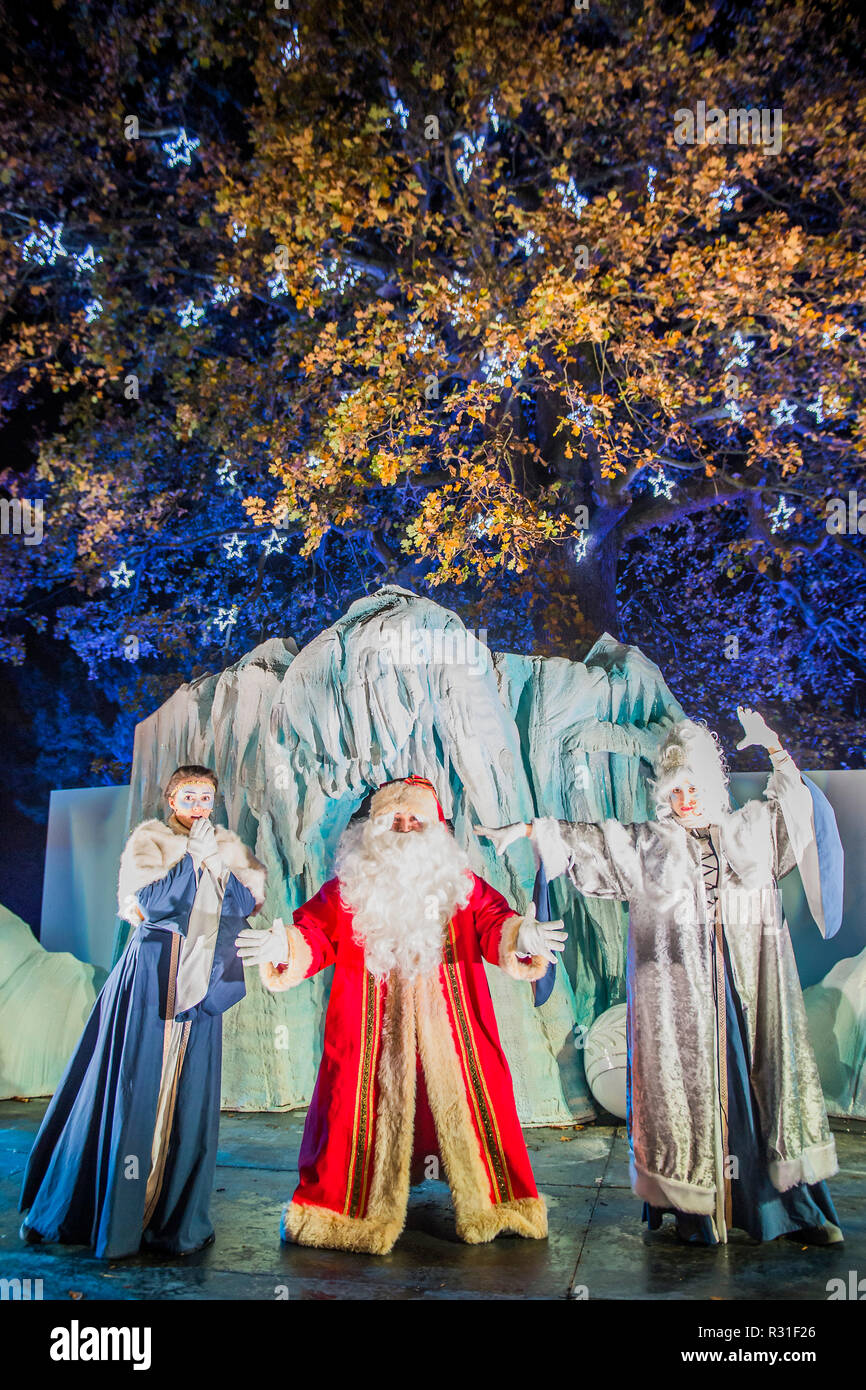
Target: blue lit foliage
726	631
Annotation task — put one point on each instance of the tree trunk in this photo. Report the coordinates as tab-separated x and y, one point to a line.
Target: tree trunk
576	599
595	584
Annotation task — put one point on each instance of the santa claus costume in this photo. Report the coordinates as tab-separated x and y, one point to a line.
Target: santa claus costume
412	1066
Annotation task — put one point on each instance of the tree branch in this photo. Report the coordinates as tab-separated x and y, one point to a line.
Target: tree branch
660	513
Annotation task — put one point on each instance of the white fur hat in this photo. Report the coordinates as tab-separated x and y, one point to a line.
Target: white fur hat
695	749
413	795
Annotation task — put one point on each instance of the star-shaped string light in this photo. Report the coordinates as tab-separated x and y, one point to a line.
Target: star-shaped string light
291	49
495	371
572	200
121	576
829	337
226	617
733	410
190	314
418	339
492	115
781	515
239	230
724	195
784	413
401	111
816	408
461	311
274	542
278	284
651	176
45	246
470	156
86	261
234	547
581	416
529	243
580	545
334	276
744	351
227	473
181	149
92	309
225	291
661	484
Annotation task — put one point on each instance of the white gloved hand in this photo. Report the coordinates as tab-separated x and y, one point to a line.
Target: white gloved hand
503	836
270	946
540	938
202	843
756	729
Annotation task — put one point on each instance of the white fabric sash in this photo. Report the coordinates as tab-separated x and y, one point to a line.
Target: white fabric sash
196	960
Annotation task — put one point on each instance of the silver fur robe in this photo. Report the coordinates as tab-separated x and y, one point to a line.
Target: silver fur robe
676	1127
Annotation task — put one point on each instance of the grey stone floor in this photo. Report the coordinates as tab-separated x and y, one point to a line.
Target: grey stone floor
597	1248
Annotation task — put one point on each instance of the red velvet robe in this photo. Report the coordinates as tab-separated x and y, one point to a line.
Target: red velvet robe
410	1070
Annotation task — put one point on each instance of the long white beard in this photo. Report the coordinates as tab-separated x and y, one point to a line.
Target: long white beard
402	888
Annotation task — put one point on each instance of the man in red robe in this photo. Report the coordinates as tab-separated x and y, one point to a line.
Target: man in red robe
412	1065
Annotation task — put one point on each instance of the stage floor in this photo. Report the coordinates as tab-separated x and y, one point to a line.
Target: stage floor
597	1242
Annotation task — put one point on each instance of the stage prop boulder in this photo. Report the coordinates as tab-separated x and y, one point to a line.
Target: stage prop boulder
45	1001
836	1008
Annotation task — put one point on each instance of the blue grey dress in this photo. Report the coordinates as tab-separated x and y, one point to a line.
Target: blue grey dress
87	1173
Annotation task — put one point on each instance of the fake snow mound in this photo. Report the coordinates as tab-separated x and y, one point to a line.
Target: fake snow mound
45	1001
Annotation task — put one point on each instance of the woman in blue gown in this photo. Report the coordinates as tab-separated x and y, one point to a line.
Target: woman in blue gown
127	1148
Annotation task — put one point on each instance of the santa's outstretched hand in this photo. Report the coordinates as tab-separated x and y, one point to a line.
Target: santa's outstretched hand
756	730
268	947
540	938
503	835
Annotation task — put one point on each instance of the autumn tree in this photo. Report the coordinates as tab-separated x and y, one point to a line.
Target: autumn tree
489	300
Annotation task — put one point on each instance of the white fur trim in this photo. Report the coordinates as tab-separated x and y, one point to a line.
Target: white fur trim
660	1191
518	967
300	958
551	846
814	1164
242	863
153	848
410	797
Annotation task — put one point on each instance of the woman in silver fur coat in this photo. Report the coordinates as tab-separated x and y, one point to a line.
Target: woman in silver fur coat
726	1117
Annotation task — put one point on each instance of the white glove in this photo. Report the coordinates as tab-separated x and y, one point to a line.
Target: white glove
270	946
502	837
540	938
202	844
756	729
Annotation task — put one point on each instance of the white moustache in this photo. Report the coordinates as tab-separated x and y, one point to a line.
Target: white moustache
402	888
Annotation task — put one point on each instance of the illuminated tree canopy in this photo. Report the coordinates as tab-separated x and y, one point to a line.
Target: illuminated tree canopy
301	300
